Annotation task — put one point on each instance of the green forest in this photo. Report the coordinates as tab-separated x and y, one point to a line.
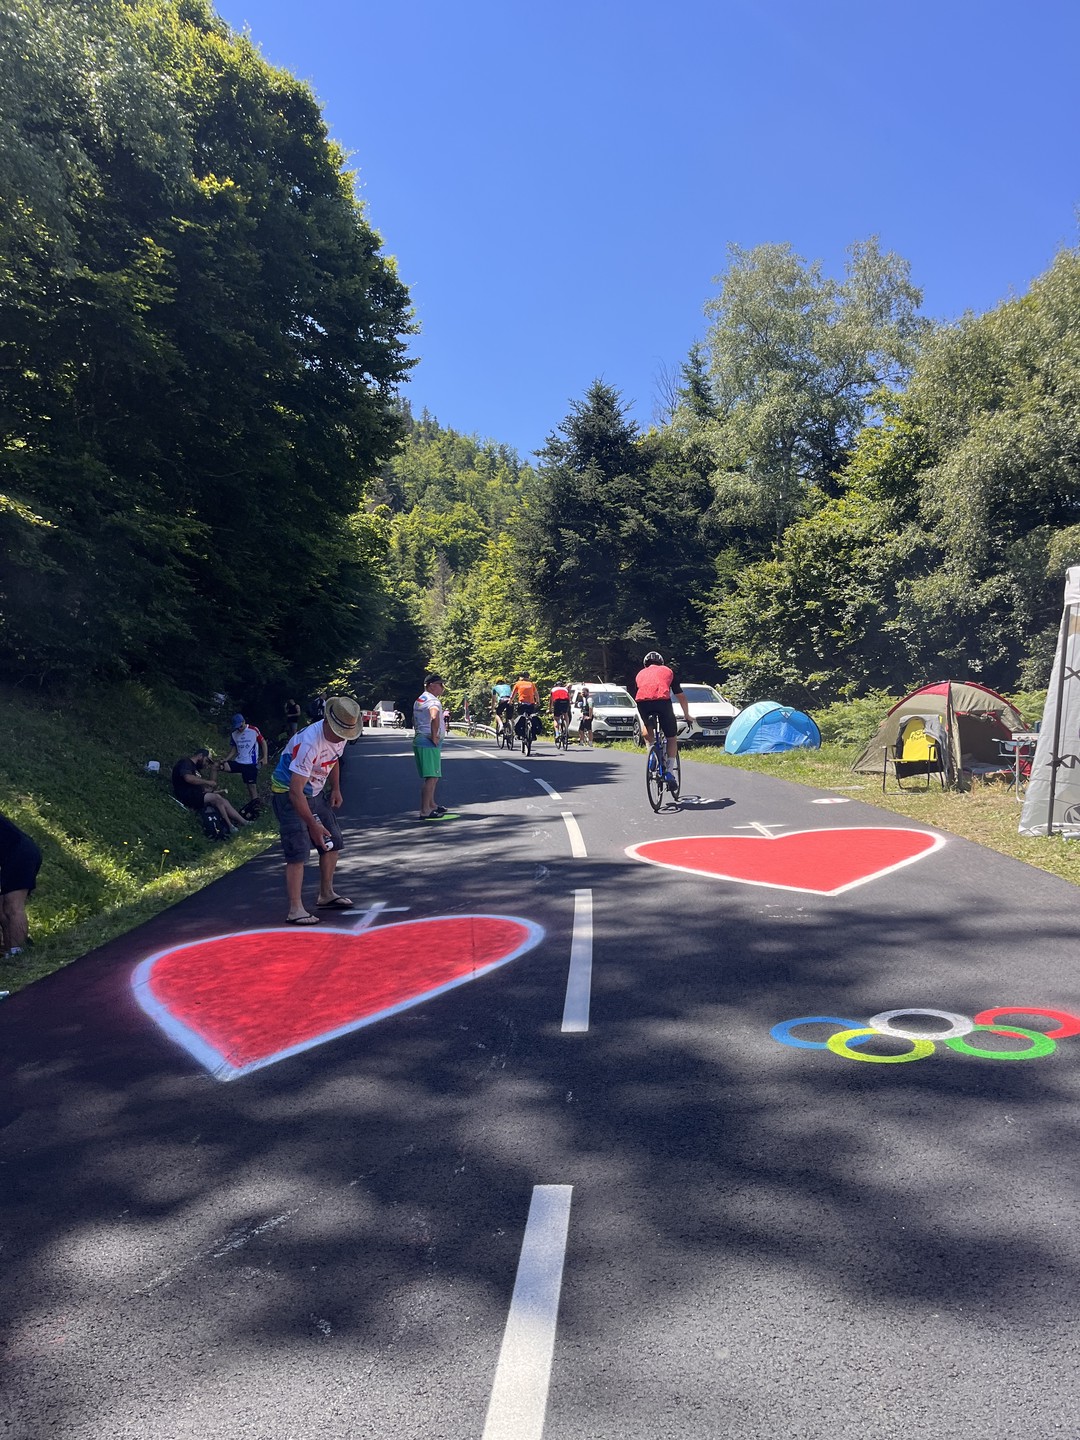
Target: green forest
215	478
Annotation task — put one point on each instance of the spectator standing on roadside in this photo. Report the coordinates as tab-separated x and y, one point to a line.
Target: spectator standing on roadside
585	710
199	792
20	861
311	762
292	717
427	738
247	753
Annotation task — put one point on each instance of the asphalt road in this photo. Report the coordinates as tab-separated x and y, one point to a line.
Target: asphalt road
737	1237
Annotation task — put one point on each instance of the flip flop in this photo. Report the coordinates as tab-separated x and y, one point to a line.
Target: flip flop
336	902
302	920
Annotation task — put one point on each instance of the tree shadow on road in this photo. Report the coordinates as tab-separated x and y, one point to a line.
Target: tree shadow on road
883	1219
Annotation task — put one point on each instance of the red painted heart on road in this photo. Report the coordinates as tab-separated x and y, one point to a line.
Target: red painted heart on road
239	1002
823	862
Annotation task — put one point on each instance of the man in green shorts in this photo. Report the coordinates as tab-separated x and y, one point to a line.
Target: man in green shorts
427	740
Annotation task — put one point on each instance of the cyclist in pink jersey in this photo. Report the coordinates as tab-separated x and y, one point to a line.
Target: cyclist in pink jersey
656	684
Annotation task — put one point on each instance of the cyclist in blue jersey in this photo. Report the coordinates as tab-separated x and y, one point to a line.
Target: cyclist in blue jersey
500	698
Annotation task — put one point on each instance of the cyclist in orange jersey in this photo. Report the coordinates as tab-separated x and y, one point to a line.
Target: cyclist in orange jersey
527	699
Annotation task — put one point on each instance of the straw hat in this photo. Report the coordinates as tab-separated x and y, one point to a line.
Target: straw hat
343	717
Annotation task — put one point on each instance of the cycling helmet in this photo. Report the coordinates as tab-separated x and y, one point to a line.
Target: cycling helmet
653	658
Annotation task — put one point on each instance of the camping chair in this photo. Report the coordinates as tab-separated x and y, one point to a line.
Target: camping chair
919	749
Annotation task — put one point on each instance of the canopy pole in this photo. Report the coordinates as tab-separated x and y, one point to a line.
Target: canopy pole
1063	647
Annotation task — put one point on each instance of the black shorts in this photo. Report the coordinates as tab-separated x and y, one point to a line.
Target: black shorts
586	720
19	870
502	707
249	773
662	712
560	707
193	796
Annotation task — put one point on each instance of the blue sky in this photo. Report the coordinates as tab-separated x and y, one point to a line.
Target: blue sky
559	181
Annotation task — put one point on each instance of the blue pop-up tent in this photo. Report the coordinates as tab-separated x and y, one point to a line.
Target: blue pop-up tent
767	726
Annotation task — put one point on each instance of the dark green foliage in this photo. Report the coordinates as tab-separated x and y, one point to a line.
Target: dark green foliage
199	340
612	546
956	519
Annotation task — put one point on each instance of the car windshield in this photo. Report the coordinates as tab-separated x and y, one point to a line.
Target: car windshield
612	699
701	695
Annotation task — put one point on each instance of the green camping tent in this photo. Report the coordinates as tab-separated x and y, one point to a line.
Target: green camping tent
975	720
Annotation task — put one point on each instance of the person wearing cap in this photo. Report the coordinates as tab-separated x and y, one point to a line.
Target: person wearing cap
309	763
428	733
248	752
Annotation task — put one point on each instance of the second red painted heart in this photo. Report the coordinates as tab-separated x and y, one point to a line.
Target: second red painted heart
823	862
239	1002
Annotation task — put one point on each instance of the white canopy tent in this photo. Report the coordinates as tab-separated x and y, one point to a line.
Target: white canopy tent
1052	800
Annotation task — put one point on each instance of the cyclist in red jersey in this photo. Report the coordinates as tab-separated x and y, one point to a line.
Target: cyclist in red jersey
560	702
656	684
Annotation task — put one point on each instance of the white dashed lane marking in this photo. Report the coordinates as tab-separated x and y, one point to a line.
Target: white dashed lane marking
577	842
519	1395
575	1020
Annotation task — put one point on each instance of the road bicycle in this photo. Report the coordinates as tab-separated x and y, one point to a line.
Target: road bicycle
657	761
504	731
526	736
562	733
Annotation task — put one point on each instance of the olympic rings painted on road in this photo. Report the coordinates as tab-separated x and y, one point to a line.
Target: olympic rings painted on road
783	1031
957	1024
851	1037
1067	1024
1040	1045
838	1044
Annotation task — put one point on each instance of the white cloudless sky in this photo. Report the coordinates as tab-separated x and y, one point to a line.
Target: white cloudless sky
559	182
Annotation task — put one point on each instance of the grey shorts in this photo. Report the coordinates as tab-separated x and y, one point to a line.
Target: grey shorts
295	840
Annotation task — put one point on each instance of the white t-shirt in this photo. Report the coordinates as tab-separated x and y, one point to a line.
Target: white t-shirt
247	745
310	754
422	716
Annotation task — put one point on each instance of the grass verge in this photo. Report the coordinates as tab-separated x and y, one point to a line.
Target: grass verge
116	847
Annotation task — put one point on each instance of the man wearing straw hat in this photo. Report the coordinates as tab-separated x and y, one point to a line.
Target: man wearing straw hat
309	764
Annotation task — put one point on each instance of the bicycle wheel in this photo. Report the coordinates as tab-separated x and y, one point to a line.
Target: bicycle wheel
500	735
675	766
526	738
654	779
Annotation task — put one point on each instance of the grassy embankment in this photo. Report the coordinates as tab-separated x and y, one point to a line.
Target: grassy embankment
116	847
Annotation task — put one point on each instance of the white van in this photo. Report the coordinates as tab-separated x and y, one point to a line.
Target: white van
615	715
386	713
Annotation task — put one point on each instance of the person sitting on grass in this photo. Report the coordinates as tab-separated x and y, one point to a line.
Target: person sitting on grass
199	792
20	861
